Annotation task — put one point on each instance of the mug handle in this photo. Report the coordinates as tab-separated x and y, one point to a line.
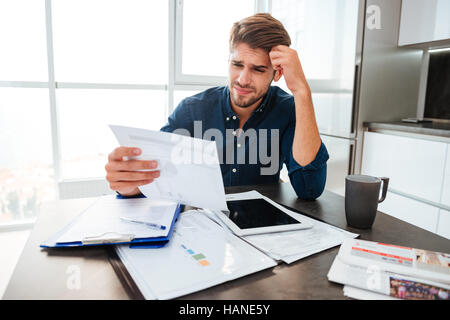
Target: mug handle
385	187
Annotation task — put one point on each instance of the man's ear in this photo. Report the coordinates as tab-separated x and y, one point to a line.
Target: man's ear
277	75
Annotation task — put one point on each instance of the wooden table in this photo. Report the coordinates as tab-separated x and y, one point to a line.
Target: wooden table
97	273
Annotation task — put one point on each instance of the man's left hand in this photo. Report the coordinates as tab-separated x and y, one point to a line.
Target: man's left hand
286	61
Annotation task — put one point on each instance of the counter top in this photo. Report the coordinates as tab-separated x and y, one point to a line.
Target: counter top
429	128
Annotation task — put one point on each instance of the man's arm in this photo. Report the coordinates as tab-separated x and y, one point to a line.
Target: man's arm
308	181
306	142
306	161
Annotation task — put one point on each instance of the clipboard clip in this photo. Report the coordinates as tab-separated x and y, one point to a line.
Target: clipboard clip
108	237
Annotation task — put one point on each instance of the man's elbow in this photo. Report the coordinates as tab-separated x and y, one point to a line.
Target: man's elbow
312	184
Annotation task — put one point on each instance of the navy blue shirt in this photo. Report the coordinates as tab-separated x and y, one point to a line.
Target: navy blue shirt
258	154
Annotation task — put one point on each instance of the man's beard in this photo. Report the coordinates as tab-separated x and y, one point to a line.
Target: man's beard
245	104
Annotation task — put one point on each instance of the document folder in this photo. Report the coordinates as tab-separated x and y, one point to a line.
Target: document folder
88	229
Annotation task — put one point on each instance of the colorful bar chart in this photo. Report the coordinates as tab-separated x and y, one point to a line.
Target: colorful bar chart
198	257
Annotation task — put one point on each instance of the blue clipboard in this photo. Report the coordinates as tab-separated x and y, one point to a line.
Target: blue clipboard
113	238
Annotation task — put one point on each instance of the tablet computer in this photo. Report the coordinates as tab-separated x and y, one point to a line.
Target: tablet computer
256	216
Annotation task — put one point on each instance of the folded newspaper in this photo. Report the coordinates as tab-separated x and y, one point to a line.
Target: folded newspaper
390	270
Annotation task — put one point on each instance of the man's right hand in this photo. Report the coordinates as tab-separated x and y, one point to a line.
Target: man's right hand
123	175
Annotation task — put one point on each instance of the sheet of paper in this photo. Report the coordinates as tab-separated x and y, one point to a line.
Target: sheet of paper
291	246
190	169
200	255
104	217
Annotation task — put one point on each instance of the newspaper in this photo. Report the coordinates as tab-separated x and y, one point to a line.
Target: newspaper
395	271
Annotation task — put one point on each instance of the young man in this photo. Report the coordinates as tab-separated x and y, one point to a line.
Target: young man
250	116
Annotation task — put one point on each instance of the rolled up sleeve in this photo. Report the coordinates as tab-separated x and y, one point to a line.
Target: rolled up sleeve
309	181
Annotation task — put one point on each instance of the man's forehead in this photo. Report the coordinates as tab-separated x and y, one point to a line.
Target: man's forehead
243	53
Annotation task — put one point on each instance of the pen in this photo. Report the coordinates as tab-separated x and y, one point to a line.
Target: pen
149	224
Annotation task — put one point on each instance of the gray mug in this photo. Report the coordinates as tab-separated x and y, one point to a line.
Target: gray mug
362	198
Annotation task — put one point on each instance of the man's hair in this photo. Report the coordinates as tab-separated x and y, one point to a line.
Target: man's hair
259	31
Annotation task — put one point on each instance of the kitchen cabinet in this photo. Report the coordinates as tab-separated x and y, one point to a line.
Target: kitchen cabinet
445	199
424	21
414	166
415	212
444	224
419	173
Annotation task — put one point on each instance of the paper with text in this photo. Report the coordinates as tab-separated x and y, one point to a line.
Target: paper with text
200	255
190	169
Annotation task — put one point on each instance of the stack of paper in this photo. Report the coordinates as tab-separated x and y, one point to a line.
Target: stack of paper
370	269
104	216
200	255
109	220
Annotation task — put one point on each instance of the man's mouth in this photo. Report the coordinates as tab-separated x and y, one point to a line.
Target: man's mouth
242	91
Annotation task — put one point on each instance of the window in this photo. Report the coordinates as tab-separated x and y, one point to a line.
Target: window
85	114
23	53
120	53
69	68
26	166
118	41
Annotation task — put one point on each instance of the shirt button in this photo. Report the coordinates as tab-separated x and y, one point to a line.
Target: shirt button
234	170
234	117
234	133
228	119
239	145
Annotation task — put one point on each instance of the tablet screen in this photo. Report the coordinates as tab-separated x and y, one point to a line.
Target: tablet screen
257	213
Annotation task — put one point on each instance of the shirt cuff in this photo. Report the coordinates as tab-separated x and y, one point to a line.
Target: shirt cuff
119	196
319	161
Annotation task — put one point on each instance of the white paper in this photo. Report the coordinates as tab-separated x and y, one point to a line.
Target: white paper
104	217
290	246
357	276
200	254
190	169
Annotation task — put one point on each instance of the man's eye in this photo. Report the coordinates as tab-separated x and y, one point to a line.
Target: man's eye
260	70
237	64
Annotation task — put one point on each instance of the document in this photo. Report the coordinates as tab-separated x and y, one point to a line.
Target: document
201	254
290	246
104	217
190	169
390	270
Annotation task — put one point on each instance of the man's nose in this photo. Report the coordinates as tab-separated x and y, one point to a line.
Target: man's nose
244	78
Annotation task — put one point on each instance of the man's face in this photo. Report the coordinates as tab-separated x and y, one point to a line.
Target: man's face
250	75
